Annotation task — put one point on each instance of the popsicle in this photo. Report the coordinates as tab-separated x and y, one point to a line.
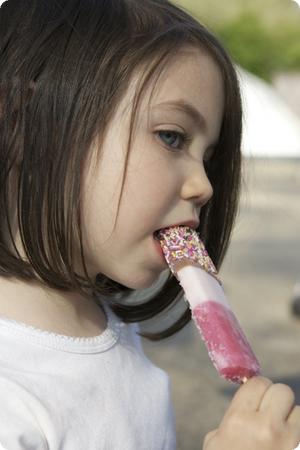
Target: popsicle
226	343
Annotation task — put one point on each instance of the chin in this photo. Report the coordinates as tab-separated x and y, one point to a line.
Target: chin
144	279
144	282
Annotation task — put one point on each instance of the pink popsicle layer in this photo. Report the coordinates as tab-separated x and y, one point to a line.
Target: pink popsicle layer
226	343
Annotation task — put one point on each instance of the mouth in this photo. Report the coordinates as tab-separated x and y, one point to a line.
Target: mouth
190	224
156	235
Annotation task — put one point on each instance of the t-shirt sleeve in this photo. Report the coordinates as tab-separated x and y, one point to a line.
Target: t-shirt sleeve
19	426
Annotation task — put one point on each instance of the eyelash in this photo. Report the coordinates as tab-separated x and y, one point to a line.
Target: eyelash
183	136
186	138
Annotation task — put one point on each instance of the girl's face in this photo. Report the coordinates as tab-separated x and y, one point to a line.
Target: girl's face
166	183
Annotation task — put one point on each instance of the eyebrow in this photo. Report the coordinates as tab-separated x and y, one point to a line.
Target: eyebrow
189	109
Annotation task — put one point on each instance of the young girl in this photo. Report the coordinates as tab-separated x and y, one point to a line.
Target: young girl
117	118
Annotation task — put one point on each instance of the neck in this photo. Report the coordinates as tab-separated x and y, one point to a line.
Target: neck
60	312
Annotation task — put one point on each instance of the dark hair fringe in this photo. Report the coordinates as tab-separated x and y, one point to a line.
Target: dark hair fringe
54	55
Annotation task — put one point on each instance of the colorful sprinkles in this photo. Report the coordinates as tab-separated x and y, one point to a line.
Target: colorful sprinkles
182	243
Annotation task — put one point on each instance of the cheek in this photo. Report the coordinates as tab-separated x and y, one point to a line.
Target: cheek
145	172
149	169
100	201
149	190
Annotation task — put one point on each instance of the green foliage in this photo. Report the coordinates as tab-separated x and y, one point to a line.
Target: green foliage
288	47
249	43
263	37
258	48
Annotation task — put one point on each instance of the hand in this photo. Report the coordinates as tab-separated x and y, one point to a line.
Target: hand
261	416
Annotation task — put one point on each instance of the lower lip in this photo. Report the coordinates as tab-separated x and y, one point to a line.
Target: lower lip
159	250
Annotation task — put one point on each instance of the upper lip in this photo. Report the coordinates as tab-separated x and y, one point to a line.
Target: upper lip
186	223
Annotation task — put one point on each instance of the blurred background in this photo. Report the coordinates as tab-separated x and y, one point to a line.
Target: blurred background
262	267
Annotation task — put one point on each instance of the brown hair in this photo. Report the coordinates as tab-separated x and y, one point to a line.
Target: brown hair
65	65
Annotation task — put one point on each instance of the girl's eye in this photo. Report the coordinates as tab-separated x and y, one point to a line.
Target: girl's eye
173	139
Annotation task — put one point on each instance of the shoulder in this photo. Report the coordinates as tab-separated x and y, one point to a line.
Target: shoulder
19	426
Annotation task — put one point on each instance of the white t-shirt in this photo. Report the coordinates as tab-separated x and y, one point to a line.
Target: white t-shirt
67	393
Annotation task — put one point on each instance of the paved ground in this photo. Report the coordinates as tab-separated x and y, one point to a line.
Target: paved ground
259	273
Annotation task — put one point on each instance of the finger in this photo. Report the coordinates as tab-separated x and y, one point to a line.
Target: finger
294	418
294	421
209	436
249	396
279	400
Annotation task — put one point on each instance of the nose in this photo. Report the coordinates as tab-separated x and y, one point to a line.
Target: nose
197	186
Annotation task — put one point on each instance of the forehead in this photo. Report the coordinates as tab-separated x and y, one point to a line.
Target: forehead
191	71
190	82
